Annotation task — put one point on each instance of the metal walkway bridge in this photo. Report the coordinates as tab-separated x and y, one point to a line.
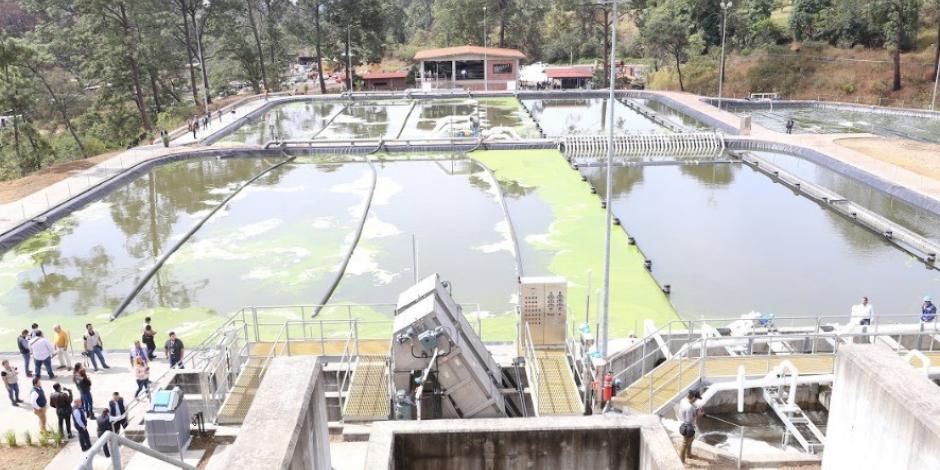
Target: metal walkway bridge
712	360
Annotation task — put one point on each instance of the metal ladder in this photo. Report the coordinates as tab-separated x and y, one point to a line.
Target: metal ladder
795	420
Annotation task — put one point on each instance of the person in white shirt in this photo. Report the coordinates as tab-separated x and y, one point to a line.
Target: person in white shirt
863	313
689	412
42	352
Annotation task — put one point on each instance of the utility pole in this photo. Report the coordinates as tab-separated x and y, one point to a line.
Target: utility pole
486	83
605	308
725	6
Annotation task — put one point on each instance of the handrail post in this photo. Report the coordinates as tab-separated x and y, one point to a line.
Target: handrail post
115	452
287	336
651	394
322	346
356	334
254	318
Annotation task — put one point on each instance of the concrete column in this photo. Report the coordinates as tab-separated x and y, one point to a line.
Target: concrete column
421	73
453	74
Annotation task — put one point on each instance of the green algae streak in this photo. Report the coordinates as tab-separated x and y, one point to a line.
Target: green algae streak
576	240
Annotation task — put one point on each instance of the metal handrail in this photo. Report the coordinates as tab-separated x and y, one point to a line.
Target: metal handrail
116	441
532	365
702	346
346	360
690	326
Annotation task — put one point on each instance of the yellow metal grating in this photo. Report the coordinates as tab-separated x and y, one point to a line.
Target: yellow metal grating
367	398
557	394
239	399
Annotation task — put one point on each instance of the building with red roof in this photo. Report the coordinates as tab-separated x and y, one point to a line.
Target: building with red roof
380	81
469	67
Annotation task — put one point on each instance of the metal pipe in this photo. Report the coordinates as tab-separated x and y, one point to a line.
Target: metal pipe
605	313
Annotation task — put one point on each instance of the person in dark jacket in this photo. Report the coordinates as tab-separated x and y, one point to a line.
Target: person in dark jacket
61	402
84	389
104	425
22	342
117	412
81	425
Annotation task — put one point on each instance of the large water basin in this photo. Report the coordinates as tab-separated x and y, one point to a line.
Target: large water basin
730	241
561	117
825	121
443	118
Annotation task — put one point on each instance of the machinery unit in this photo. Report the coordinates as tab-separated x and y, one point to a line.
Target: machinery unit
167	422
439	361
543	305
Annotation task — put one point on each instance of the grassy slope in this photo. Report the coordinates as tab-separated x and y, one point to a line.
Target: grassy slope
577	240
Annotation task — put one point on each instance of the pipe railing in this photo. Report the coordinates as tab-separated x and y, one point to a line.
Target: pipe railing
532	366
688	359
116	441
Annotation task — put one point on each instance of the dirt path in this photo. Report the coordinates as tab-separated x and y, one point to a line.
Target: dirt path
13	190
919	157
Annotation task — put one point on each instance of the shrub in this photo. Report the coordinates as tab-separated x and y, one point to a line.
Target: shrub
10	438
57	438
27	438
44	438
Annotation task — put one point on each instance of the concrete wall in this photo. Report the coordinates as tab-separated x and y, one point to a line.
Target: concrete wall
884	413
286	427
613	441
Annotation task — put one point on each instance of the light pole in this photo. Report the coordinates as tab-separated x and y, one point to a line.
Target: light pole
725	6
486	83
605	306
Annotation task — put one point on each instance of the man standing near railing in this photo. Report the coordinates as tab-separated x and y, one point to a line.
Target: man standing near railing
928	311
863	313
81	425
174	351
22	342
689	412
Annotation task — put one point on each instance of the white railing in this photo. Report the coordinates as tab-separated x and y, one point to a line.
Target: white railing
700	144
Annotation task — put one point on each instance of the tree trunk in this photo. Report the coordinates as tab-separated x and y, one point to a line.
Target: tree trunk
201	50
60	106
16	140
898	38
319	50
189	52
936	55
135	72
679	71
349	84
154	89
254	30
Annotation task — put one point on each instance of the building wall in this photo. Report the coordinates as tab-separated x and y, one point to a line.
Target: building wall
380	84
883	414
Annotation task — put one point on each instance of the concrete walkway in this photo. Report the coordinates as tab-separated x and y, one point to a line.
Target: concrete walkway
824	143
119	378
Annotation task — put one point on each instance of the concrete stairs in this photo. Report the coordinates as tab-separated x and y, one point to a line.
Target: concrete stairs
367	398
239	400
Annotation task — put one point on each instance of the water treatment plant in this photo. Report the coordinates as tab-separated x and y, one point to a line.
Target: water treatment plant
414	280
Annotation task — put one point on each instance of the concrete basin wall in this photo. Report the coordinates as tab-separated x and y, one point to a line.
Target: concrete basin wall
884	413
611	442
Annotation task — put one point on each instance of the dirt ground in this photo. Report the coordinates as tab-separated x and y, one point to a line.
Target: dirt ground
918	157
22	457
13	190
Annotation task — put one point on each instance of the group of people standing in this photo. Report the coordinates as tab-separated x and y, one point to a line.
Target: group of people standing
76	412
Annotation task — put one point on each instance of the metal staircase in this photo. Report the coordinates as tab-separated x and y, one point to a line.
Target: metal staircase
557	391
239	400
798	424
367	398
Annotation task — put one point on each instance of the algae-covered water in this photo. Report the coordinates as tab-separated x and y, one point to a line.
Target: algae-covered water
434	118
730	241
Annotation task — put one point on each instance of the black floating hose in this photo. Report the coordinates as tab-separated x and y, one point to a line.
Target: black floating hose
352	246
166	255
505	207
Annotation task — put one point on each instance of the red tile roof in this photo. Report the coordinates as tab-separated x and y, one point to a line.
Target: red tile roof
384	75
468	50
568	72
